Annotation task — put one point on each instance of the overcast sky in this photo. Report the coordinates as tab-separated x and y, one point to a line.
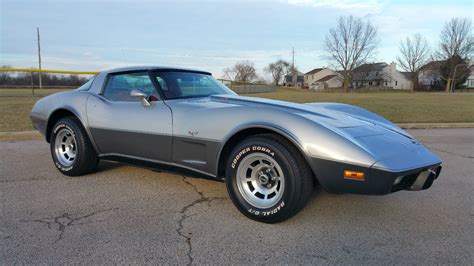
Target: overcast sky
209	35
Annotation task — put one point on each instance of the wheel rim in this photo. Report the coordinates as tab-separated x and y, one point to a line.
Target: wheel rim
65	147
260	180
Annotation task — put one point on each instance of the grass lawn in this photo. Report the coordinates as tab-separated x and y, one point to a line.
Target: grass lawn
15	107
401	107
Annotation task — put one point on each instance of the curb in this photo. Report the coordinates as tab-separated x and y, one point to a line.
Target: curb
35	135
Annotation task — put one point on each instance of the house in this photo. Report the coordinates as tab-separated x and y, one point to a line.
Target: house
316	74
380	74
327	82
429	76
295	80
322	78
470	80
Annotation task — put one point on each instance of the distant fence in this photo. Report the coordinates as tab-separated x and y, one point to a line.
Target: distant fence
360	90
34	82
241	87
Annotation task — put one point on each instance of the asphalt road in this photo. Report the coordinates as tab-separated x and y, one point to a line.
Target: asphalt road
125	214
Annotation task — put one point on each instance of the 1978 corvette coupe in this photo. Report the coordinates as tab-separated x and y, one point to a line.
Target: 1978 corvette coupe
270	153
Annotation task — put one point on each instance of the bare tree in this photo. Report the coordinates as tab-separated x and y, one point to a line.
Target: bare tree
456	38
278	69
230	73
414	52
350	44
241	71
455	48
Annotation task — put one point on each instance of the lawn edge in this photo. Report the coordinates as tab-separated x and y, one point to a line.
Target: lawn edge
435	125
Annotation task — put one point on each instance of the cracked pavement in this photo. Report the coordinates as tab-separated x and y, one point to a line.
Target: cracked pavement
125	214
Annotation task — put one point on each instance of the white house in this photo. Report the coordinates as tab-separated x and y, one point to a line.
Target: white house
470	80
380	75
320	78
327	82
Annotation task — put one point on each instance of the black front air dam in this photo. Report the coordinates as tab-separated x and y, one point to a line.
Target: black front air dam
330	175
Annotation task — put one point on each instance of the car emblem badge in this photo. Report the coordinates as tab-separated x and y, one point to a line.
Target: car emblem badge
193	133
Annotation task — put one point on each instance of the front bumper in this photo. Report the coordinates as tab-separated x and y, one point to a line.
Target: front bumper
330	175
38	123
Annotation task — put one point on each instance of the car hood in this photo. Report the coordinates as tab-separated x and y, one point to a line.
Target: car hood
331	115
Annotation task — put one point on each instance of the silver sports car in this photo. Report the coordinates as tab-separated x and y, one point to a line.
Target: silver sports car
270	153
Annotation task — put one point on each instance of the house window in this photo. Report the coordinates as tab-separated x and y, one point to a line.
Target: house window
396	83
376	73
370	82
386	83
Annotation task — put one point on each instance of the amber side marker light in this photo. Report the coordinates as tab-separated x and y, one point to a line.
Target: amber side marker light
354	175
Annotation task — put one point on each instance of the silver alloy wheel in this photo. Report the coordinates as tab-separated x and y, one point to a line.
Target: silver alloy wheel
65	147
260	180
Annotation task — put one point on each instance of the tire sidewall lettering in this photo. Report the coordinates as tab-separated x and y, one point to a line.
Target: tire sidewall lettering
254	211
272	211
253	148
56	129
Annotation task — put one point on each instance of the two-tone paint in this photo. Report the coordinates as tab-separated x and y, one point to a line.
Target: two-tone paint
196	134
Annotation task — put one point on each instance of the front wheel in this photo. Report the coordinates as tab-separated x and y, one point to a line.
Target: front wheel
267	178
71	148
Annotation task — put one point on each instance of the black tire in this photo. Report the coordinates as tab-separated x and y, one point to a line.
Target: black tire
85	158
297	176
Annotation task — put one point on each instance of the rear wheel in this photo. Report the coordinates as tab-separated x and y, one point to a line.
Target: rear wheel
267	178
71	148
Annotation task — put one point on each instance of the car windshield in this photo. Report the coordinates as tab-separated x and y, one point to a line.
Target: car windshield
86	86
178	85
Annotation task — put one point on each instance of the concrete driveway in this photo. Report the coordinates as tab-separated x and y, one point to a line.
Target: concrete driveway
125	214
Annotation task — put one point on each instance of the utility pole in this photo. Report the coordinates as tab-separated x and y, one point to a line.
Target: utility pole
293	59
39	57
293	71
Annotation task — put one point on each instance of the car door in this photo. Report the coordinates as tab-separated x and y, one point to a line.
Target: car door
121	125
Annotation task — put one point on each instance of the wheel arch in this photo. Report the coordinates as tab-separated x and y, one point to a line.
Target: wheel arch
251	130
66	112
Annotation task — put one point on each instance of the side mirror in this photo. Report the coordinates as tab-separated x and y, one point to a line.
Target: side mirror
142	96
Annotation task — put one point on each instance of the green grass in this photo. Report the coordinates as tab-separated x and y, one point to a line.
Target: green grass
15	107
401	107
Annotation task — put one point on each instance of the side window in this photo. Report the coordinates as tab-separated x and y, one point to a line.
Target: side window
185	85
162	83
119	86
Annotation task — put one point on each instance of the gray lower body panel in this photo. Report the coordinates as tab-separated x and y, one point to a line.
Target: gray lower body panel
191	153
136	144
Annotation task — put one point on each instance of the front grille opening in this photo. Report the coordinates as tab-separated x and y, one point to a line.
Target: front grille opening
406	182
